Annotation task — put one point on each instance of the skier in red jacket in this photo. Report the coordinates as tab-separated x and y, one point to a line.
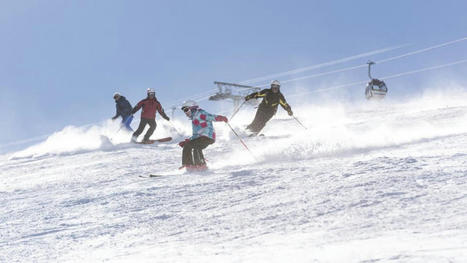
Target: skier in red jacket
148	115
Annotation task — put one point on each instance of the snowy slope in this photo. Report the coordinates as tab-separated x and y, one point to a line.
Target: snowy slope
378	182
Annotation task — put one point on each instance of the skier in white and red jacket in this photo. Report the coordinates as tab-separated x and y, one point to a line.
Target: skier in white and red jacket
203	135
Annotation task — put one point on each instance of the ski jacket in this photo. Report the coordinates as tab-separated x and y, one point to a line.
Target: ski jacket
123	107
201	122
270	99
150	106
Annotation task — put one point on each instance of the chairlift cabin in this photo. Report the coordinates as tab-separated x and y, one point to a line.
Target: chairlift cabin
375	88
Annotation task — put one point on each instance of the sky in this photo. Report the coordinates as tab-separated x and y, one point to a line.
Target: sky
61	61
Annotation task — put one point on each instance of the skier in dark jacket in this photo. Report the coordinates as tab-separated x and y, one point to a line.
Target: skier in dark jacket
148	116
203	136
123	110
268	107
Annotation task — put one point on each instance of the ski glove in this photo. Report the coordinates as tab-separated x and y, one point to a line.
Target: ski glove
166	118
113	118
247	98
290	113
221	118
182	143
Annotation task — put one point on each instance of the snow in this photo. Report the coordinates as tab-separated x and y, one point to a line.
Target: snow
365	183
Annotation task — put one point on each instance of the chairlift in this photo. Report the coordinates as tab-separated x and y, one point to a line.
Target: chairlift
375	89
222	95
232	91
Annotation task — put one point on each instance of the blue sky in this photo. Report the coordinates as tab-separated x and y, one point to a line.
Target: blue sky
61	61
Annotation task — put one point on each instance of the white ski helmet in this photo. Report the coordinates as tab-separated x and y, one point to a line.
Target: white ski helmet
275	83
151	91
189	104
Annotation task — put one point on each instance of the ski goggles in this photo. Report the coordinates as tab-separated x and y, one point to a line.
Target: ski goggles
275	86
185	109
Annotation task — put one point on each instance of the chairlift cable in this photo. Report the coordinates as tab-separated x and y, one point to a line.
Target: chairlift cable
321	65
424	69
422	50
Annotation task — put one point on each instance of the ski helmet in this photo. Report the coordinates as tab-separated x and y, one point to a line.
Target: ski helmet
116	95
188	105
151	91
275	84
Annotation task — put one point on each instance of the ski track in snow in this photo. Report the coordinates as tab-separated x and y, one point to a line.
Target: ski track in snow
378	183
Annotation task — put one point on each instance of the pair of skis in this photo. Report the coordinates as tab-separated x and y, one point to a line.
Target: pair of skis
162	175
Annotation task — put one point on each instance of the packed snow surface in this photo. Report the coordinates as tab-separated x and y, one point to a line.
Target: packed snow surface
364	183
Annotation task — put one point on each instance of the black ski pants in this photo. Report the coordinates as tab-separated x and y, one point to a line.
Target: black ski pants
193	151
263	115
142	125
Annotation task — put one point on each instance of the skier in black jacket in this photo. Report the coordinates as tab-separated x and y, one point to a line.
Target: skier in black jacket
268	107
123	109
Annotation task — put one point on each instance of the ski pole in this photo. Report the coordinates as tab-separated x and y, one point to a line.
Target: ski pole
300	122
173	126
243	143
235	112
